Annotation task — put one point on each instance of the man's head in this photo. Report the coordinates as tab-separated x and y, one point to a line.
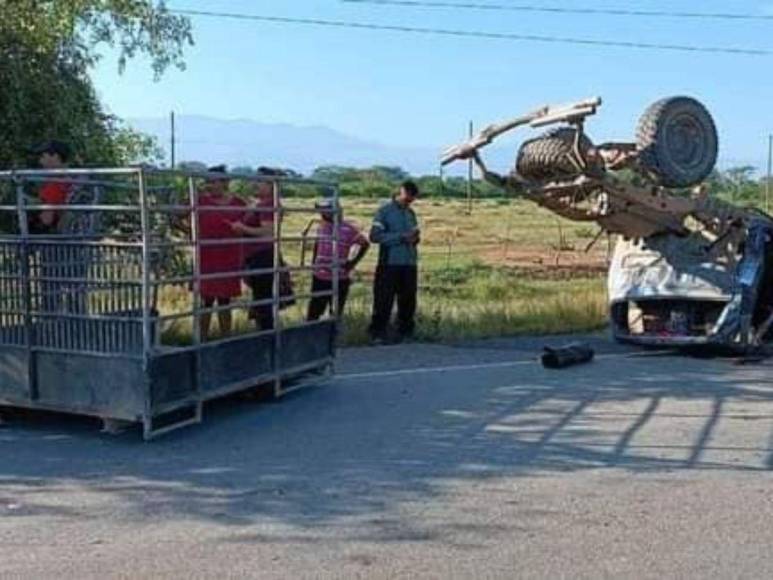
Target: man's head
408	193
216	184
52	154
327	208
265	189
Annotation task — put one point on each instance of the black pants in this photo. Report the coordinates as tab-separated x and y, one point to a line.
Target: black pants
391	282
262	286
319	304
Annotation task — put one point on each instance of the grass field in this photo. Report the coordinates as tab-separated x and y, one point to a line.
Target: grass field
507	268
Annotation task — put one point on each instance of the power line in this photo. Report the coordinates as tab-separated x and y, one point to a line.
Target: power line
477	34
560	10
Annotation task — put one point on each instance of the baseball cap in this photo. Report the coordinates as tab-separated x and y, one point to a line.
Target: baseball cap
264	171
218	169
327	203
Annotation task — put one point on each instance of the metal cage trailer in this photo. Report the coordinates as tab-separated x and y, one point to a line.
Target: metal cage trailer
100	311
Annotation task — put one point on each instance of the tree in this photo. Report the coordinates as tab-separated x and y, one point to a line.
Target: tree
739	184
47	48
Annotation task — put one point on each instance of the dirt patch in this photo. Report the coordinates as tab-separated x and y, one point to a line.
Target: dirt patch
539	264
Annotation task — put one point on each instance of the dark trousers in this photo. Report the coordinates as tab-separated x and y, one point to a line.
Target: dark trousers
262	286
392	282
318	304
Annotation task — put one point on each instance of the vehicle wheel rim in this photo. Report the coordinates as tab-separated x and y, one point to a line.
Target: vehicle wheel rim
685	141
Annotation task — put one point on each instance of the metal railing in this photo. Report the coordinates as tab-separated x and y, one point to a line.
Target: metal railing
96	282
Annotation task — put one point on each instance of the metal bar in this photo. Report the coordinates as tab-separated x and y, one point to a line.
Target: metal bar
239	305
146	330
149	433
26	289
310	366
234	176
232	241
196	239
69	171
335	302
275	287
336	266
78	207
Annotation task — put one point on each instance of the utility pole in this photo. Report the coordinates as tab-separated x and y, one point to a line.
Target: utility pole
770	171
469	177
172	140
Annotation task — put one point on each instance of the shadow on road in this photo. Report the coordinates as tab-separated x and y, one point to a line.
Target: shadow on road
362	447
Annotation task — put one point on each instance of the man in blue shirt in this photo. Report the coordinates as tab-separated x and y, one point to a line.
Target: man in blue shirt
396	230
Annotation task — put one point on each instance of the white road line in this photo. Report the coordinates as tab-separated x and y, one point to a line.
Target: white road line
475	367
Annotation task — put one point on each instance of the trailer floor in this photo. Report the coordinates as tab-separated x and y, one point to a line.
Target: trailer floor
638	466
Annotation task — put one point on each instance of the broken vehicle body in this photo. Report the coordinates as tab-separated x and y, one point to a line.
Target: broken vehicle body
687	269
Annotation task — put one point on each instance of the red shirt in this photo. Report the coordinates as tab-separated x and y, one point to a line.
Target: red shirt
215	223
259	216
348	235
53	193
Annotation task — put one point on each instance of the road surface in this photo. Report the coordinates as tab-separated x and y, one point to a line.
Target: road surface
416	461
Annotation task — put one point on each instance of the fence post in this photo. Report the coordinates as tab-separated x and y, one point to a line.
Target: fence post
276	289
26	284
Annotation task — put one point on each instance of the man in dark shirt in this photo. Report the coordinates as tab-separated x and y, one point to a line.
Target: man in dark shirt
395	229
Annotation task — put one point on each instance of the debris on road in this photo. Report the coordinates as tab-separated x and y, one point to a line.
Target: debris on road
569	355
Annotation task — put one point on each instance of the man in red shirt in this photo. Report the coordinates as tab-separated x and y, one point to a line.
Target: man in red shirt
52	155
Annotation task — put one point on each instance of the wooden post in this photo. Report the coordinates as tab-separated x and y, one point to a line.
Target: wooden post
172	140
469	177
770	171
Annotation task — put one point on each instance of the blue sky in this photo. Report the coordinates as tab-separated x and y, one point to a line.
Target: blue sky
420	90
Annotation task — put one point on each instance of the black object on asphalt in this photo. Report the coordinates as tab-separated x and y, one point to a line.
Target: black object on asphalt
569	355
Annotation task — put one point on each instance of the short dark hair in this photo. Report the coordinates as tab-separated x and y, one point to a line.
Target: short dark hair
269	172
410	188
54	147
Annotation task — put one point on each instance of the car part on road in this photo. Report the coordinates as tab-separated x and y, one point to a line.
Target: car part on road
566	356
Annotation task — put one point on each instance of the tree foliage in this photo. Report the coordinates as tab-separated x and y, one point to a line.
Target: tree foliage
46	50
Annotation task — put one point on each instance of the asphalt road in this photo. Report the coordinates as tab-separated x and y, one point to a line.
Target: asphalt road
635	466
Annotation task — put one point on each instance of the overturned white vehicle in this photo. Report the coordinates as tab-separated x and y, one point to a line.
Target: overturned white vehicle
688	269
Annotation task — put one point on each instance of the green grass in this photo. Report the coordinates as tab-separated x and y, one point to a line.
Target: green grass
470	285
479	301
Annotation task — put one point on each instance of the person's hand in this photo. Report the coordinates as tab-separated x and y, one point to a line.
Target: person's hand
238	227
349	265
411	237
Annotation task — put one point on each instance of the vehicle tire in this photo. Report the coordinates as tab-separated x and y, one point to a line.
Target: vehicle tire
550	155
677	142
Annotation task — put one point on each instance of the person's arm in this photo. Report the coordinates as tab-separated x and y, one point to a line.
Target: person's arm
362	248
254	225
380	234
252	231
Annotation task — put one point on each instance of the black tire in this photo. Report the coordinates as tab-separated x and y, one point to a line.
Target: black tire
677	142
550	155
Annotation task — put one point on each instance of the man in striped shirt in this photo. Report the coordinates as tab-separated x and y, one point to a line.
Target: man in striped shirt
349	236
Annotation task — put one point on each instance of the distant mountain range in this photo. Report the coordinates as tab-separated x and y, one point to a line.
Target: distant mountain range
245	142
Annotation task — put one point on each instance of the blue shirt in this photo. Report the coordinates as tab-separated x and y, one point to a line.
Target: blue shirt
391	221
